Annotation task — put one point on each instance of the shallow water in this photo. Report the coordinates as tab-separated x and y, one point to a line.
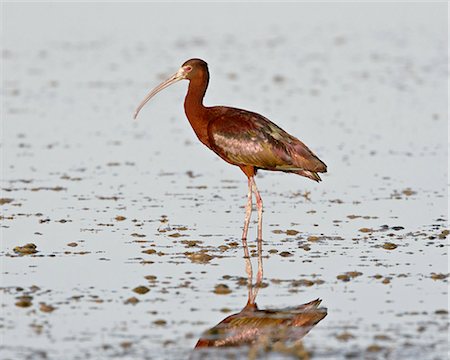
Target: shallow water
364	87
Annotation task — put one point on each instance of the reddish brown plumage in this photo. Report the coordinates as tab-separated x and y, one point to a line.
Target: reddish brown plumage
242	137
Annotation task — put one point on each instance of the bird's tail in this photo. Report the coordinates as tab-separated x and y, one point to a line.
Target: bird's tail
309	174
310	314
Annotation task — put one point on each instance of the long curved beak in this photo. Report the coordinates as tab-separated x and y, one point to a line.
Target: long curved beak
179	75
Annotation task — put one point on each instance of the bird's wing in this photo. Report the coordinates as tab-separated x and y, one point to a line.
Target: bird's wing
245	138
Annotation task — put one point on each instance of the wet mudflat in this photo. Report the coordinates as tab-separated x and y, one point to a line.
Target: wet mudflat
122	238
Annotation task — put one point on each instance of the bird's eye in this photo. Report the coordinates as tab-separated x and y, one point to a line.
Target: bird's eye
188	68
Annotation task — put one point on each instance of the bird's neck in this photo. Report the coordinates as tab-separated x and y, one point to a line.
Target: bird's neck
194	108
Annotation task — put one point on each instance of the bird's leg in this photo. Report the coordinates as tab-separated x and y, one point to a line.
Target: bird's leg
248	209
259	206
251	297
248	212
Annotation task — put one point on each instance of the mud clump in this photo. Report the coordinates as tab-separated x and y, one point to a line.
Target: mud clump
175	235
441	312
4	201
313	238
138	235
389	246
409	192
348	275
46	308
302	282
222	289
439	276
24	301
374	348
149	251
132	300
160	322
242	281
200	257
286	254
345	336
126	345
191	243
141	290
27	249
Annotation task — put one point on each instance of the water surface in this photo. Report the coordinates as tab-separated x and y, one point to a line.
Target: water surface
113	204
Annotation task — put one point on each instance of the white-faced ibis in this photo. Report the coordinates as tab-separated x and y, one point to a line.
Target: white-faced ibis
242	138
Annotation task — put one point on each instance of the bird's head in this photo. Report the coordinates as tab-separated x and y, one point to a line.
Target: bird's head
193	68
189	70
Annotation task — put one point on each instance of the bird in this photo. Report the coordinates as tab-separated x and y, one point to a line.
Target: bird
241	138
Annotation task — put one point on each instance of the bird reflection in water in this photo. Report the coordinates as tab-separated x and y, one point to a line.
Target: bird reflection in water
266	330
253	331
